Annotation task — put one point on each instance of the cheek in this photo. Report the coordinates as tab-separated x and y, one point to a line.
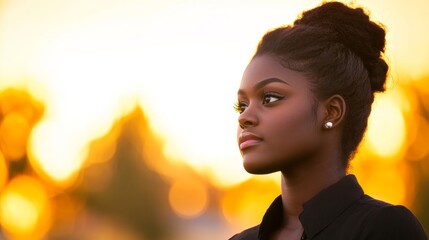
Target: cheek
294	129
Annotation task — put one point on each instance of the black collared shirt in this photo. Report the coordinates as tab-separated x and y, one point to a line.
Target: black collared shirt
342	212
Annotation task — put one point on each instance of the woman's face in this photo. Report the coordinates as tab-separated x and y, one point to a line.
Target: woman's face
278	125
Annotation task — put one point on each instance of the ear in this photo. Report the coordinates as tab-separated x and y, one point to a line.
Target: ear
335	110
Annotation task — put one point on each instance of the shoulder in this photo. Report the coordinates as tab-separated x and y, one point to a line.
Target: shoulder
394	222
248	234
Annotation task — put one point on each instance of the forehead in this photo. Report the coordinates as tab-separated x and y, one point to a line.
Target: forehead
265	66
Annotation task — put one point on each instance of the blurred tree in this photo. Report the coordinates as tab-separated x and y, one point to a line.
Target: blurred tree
128	191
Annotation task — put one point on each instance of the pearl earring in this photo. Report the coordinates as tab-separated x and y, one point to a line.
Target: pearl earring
328	125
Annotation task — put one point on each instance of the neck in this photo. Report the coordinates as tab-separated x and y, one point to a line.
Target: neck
304	182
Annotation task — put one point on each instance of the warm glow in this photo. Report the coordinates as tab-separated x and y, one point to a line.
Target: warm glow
386	126
418	144
14	131
94	67
3	171
188	198
386	183
24	208
245	205
20	212
91	62
59	163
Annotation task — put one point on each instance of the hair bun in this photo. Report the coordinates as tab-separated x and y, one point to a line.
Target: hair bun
354	29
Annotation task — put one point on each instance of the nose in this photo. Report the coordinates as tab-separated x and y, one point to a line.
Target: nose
248	118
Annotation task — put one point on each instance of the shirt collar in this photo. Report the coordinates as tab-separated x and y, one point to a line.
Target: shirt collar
272	219
319	211
326	206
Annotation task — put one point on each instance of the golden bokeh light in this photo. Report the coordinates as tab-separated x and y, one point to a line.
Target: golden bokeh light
60	163
386	126
14	131
3	171
16	207
188	197
244	205
386	182
24	209
124	64
181	61
19	101
418	142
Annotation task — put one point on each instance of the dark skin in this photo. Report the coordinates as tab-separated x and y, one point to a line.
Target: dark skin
281	128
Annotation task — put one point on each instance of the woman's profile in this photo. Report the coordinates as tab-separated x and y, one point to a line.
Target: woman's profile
303	105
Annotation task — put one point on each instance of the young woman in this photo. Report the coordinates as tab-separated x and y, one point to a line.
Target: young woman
304	102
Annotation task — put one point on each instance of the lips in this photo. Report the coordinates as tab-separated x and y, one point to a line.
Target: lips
248	139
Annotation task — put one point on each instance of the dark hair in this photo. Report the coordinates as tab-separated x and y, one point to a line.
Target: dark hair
340	49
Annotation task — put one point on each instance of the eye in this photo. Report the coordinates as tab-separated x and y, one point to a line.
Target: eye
270	98
240	107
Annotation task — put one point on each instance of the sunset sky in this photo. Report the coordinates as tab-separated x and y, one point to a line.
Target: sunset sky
91	61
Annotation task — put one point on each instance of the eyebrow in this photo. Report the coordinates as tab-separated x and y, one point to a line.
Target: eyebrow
264	82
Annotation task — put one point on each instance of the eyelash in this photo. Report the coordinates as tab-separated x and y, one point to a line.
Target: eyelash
238	106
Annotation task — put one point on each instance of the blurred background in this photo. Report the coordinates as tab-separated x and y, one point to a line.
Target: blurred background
116	117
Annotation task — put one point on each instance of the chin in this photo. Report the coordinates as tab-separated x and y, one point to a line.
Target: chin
270	164
258	168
